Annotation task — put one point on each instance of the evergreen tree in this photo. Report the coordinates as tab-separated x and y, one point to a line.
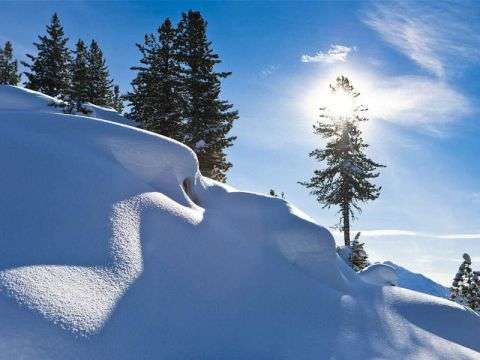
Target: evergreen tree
8	66
358	257
117	101
208	119
466	285
100	90
346	178
157	101
79	91
49	71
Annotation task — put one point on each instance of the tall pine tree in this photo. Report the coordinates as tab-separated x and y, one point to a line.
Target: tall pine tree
208	119
49	70
8	66
79	91
157	102
100	90
345	180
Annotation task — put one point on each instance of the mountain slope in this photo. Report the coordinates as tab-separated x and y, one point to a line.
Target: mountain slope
113	246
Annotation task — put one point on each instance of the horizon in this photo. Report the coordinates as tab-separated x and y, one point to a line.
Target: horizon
415	72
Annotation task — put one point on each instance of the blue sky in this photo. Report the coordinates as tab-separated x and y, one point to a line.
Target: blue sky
415	64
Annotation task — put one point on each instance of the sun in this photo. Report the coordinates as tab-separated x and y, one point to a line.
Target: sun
339	105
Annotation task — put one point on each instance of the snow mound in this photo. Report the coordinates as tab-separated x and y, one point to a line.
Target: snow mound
379	274
418	282
21	99
113	246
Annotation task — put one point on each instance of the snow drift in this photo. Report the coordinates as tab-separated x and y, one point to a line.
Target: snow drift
113	246
418	282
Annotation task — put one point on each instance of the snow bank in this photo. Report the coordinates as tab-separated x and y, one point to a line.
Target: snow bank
418	282
113	246
21	99
379	274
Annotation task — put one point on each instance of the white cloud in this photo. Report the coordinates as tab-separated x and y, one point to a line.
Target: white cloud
435	35
336	53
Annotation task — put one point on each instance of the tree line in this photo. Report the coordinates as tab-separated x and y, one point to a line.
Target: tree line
175	93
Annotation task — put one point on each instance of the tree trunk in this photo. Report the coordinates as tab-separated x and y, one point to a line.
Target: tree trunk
346	223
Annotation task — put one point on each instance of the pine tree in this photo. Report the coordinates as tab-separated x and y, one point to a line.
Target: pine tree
208	119
157	101
358	257
466	285
49	71
346	179
117	101
8	66
78	93
100	90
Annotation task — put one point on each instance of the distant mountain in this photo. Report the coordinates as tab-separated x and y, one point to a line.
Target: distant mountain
418	282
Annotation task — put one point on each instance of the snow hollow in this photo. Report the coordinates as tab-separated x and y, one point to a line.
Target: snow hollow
113	246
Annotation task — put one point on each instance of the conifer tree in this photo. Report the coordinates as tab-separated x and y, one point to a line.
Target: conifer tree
466	285
208	119
100	90
78	93
117	101
8	66
358	257
49	70
156	100
345	180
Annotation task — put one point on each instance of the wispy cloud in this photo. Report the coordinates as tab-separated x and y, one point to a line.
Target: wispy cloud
397	232
269	70
435	35
336	53
414	100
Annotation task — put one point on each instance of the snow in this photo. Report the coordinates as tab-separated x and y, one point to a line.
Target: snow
20	99
113	246
379	274
418	282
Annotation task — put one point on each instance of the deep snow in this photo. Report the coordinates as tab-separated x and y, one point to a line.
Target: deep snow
113	246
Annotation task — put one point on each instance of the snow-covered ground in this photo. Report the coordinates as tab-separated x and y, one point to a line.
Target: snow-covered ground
113	246
418	282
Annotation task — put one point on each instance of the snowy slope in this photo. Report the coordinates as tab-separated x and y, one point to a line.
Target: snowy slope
113	246
418	282
21	99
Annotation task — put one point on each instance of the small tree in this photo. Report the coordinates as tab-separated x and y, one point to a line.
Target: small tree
49	70
358	257
466	285
346	179
275	194
117	101
8	66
